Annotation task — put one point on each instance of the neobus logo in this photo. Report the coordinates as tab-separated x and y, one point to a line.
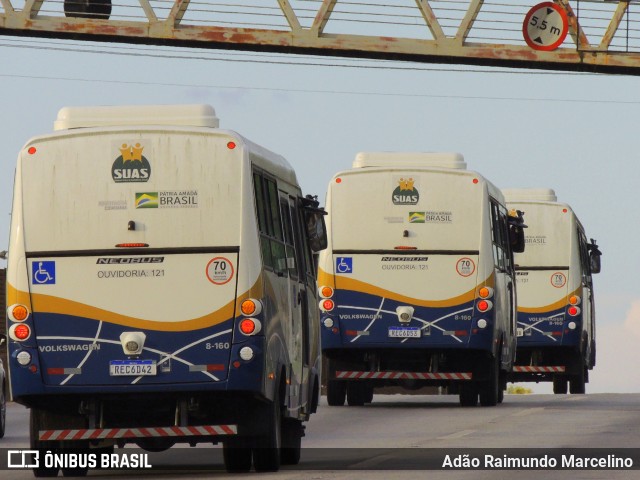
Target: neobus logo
405	193
128	260
131	165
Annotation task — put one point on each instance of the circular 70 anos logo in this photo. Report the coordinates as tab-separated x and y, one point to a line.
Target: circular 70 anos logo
545	26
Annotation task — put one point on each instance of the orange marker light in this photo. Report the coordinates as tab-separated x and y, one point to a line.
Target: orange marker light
485	292
338	180
326	292
248	307
19	313
574	300
32	150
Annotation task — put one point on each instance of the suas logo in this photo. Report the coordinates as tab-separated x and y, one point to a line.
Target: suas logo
131	165
405	193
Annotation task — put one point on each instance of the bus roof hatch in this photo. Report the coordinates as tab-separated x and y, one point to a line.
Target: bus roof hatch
112	116
412	159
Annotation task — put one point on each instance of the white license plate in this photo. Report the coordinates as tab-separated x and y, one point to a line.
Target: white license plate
404	332
132	368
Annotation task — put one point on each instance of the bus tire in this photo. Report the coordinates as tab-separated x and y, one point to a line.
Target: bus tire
266	453
368	397
577	382
237	456
336	392
503	386
468	394
37	418
292	432
76	472
356	394
559	384
490	389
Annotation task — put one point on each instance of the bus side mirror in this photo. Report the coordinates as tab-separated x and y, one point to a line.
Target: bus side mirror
315	226
594	256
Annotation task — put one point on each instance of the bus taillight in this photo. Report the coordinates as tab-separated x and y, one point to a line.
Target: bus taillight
19	332
250	326
484	305
327	305
573	310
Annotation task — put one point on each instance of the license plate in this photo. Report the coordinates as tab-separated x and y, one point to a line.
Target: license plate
404	332
132	368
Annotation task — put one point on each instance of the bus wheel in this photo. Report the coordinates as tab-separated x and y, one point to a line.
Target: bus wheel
292	432
502	387
356	394
468	394
368	397
577	382
489	389
237	456
266	453
336	392
559	384
78	471
36	420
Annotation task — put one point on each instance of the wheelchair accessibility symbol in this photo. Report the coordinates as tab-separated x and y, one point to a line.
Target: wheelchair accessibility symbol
43	273
344	264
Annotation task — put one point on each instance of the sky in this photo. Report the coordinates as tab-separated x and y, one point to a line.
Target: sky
575	133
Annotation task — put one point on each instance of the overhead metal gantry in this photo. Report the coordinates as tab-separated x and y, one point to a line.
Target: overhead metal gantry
603	36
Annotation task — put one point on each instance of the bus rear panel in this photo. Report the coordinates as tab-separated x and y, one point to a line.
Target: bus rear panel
411	276
138	297
556	316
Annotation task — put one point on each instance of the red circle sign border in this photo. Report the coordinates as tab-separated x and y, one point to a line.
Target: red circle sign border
564	280
565	27
206	270
472	263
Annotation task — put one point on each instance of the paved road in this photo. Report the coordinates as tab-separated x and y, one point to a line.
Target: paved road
398	432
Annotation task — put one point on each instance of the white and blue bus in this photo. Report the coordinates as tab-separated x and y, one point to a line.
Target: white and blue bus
418	282
161	287
556	308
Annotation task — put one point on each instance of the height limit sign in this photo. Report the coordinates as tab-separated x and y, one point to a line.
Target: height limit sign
545	27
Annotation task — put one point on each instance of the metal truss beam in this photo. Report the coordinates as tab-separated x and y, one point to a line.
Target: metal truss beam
473	32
